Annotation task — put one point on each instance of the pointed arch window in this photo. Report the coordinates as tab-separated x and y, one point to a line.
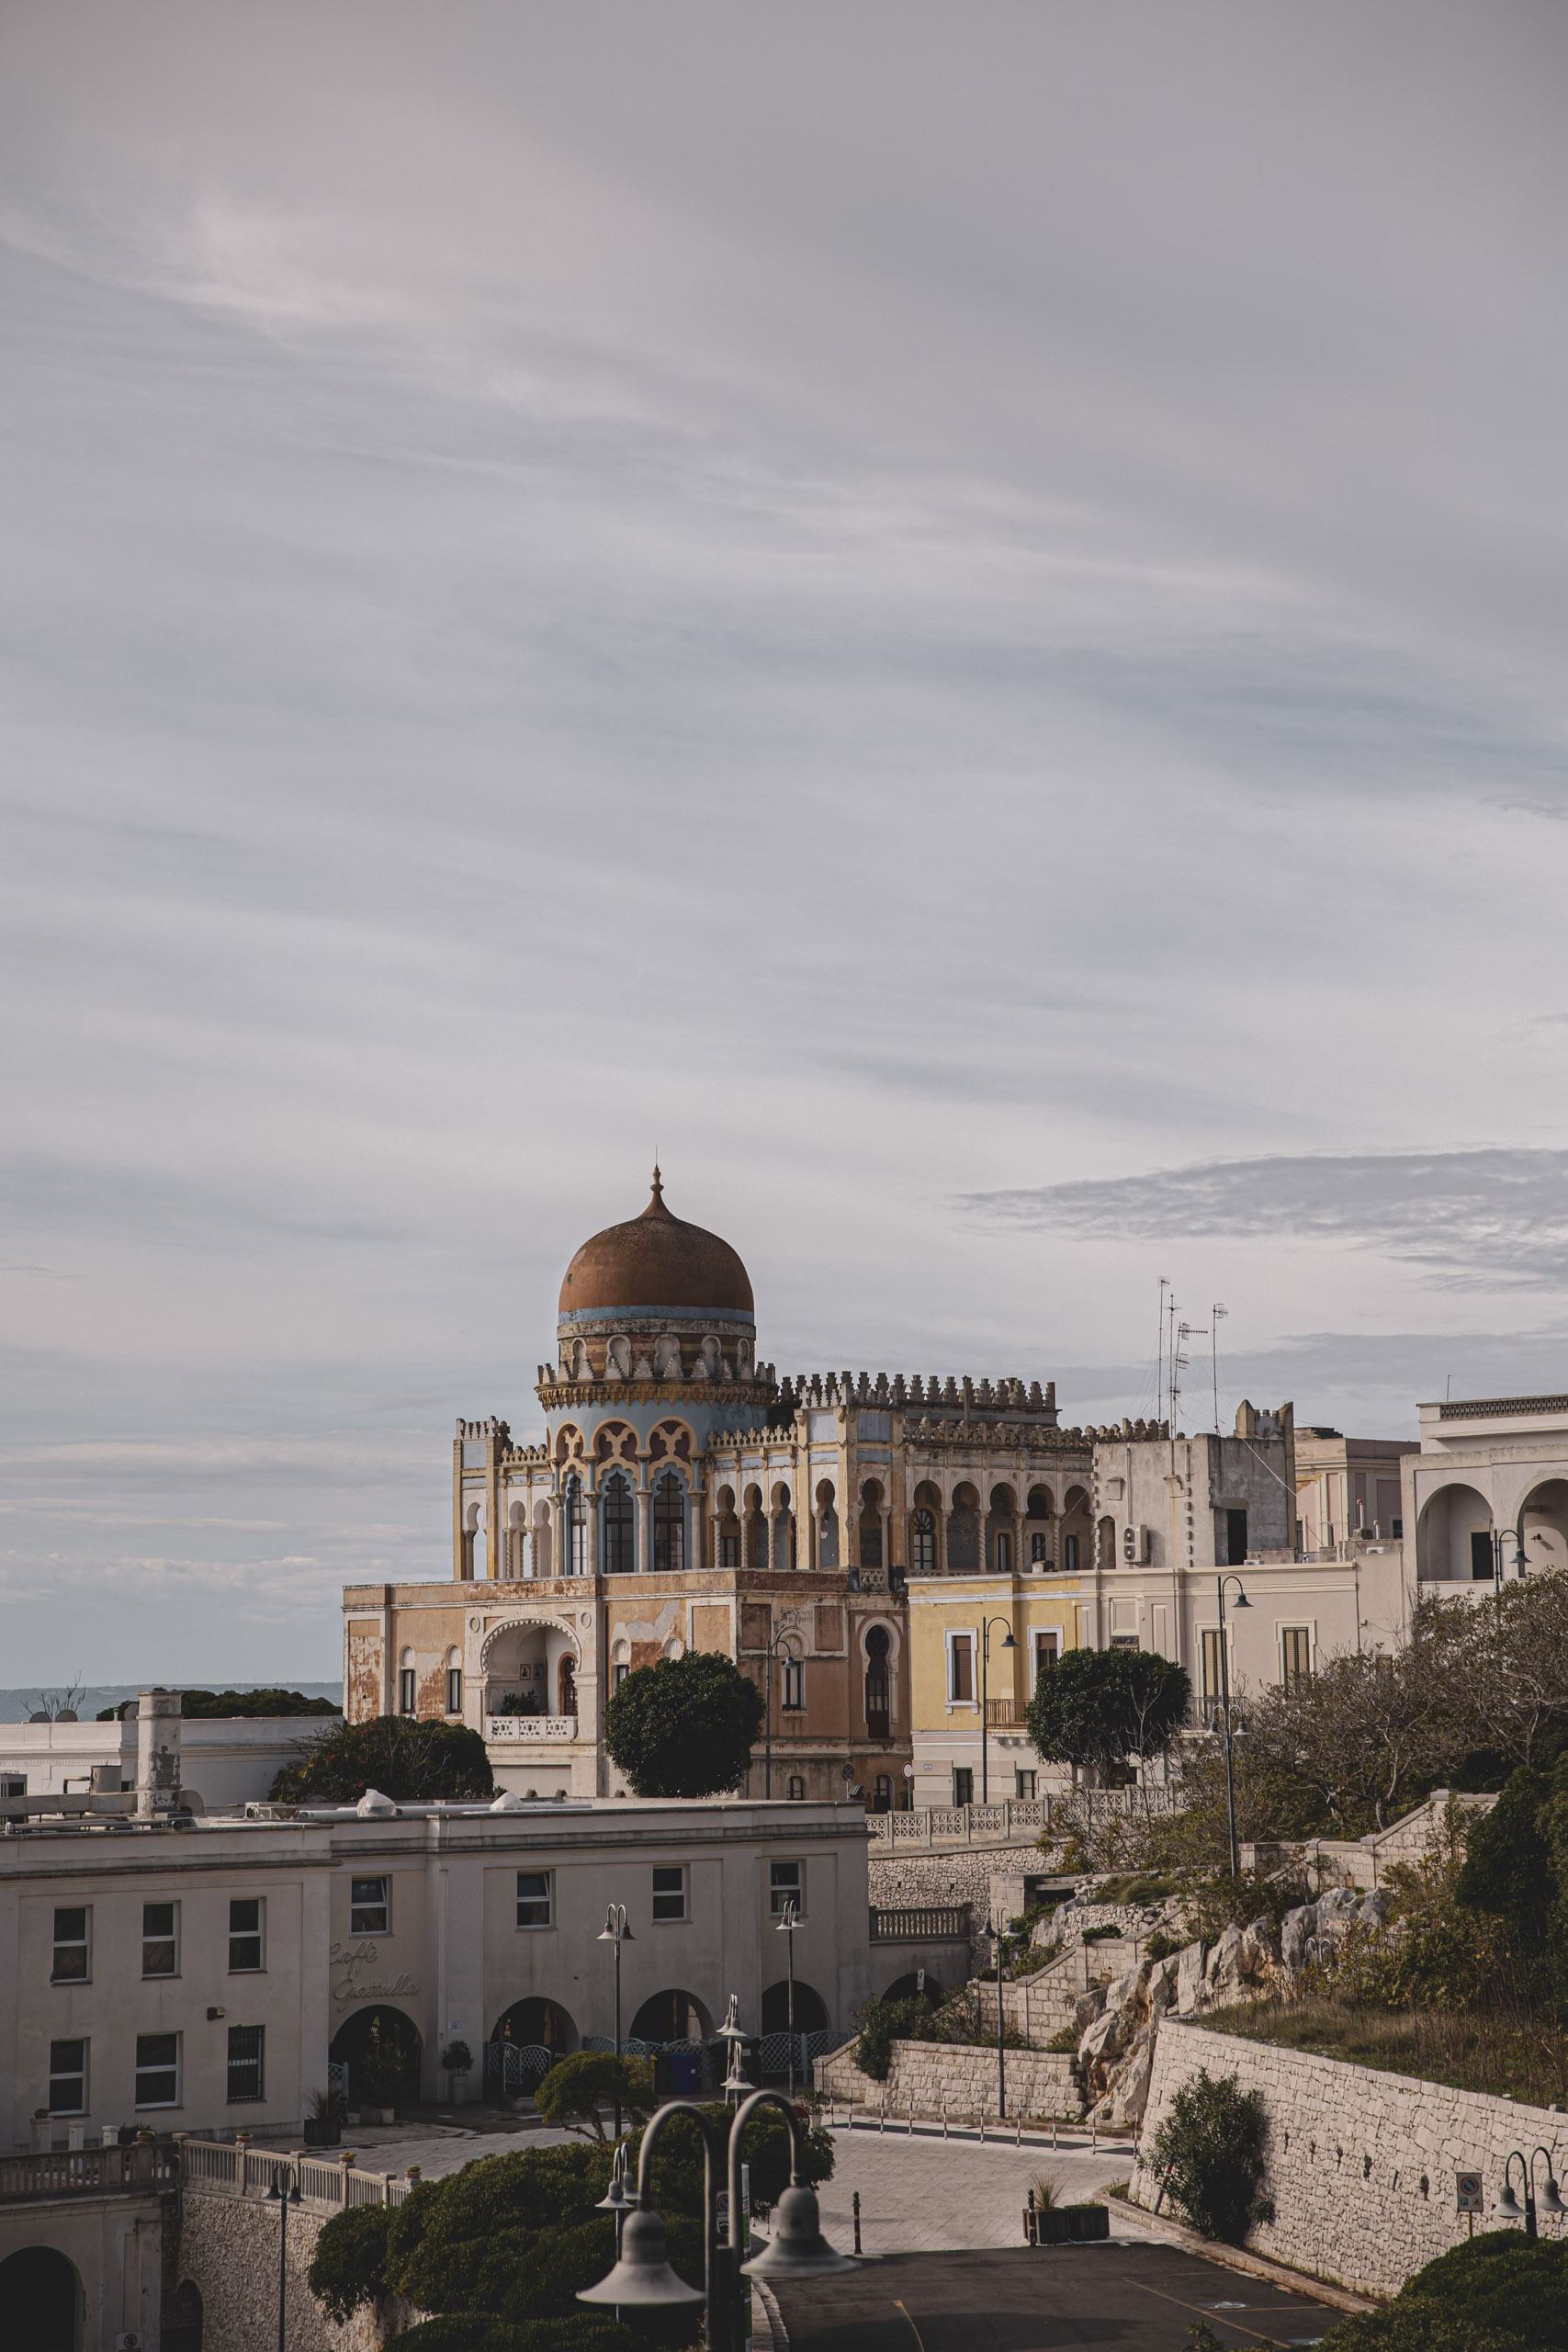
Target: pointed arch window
620	1551
877	1714
668	1526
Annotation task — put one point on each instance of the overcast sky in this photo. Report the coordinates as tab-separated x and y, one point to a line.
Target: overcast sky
953	616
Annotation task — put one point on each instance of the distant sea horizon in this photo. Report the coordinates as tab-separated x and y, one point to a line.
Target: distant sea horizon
16	1706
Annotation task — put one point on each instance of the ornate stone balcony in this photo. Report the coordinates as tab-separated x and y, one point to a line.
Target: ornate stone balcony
533	1727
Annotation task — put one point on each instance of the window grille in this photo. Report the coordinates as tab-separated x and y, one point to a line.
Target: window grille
247	2067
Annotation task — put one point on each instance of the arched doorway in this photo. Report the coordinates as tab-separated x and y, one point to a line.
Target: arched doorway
183	2319
904	1988
537	2024
40	2301
1544	1520
810	2009
673	2016
381	2048
878	1704
1453	1537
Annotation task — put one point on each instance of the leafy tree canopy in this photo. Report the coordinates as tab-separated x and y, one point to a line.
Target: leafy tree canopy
1208	2150
200	1705
573	2092
684	1727
405	1759
1100	1708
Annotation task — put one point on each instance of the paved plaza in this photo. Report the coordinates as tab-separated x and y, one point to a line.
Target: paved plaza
1118	2297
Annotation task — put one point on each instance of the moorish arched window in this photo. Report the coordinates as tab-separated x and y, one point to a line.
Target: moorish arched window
620	1543
576	1528
877	1724
668	1526
922	1550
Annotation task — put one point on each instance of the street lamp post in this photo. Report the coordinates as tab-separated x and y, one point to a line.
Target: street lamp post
786	1928
616	1931
1241	1602
282	2196
642	2278
1001	2045
1007	1644
1507	2206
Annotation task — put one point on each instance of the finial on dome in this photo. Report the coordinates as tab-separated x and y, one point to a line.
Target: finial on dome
658	1182
656	1204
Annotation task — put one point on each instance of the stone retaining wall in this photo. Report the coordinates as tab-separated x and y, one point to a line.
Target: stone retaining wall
1361	2164
229	2247
1038	2082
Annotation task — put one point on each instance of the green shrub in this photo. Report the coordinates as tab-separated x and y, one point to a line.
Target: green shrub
349	2265
470	2332
1160	1946
1494	2293
883	2022
1102	1934
683	1727
1209	2152
575	2089
1065	2038
400	1754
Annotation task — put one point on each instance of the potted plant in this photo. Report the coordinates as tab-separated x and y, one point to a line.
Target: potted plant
458	2061
323	2125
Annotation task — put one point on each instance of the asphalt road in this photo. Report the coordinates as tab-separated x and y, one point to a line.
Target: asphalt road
1125	2298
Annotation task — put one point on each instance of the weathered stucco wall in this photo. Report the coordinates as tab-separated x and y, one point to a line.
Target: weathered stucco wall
1038	2081
1361	2165
229	2247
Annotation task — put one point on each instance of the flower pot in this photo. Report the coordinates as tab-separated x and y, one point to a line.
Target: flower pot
1072	2224
322	2131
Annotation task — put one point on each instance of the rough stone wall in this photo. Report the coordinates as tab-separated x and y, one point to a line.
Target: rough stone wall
963	1877
1361	2165
229	2247
1038	2082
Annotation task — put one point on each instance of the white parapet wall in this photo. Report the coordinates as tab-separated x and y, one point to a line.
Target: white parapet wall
1361	2165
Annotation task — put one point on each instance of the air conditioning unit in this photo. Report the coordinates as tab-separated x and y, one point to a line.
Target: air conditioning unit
1136	1546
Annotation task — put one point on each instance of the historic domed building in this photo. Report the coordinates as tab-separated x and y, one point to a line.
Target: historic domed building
685	1497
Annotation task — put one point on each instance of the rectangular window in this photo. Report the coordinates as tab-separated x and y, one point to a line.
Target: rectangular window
960	1667
1295	1641
622	1670
1026	1785
669	1891
729	1551
408	1695
794	1686
247	1928
73	1947
1235	1538
1069	1555
534	1904
786	1883
68	2079
1047	1649
1211	1663
160	1940
367	1908
454	1690
157	2070
963	1784
1481	1560
247	2062
12	1784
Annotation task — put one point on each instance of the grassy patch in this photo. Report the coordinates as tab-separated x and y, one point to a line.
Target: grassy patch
1470	2050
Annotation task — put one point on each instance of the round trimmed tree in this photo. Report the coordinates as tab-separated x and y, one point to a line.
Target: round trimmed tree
1099	1709
684	1727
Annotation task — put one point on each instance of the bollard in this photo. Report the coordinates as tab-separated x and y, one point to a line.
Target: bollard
944	2115
857	2219
1018	2132
911	2131
882	2113
1053	2135
982	2123
1094	2138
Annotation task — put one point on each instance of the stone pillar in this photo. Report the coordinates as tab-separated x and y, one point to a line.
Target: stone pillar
645	1528
157	1754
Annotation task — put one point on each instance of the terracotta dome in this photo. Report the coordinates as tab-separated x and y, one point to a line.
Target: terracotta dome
655	1260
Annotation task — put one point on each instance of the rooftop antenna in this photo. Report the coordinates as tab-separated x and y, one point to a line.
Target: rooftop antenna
1159	1353
1216	1313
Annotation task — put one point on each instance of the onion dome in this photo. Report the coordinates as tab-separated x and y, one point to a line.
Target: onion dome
654	1261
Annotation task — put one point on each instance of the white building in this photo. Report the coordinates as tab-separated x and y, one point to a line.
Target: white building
1489	1484
222	1761
199	1978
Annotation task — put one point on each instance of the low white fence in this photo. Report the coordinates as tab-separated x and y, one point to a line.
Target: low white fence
1015	1821
215	2168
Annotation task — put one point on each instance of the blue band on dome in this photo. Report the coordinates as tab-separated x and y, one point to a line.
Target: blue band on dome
656	1315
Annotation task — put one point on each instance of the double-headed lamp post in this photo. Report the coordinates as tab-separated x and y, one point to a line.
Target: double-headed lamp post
786	1928
616	1931
1241	1602
285	2192
642	2278
1007	1642
779	1653
1507	2209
